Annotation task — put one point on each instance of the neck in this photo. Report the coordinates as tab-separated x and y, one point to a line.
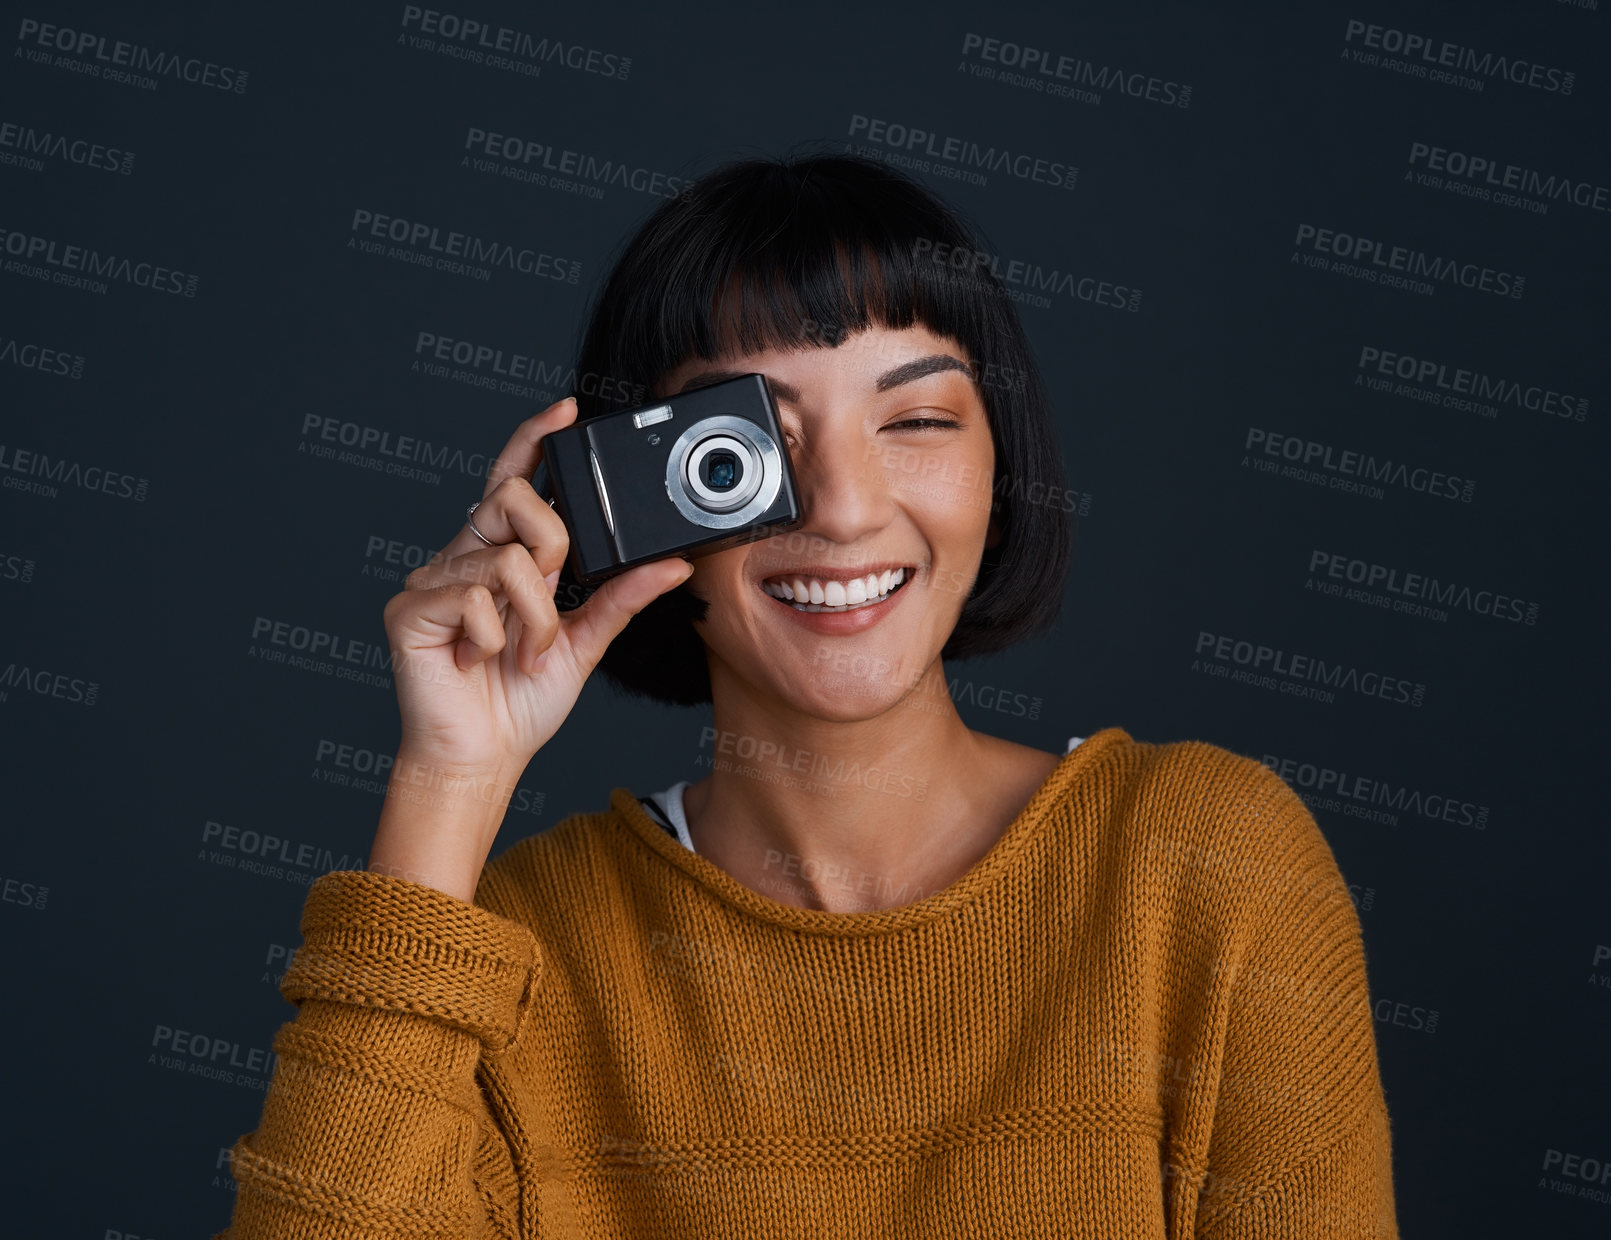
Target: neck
853	816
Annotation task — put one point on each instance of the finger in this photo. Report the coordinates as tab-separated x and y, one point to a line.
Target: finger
520	455
594	625
457	615
484	633
471	563
516	584
514	513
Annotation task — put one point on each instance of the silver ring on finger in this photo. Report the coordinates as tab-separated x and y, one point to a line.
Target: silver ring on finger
469	519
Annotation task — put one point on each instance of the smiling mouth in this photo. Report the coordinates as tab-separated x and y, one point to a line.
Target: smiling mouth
815	594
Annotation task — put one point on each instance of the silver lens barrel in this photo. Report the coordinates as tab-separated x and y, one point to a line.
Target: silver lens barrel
748	473
759	472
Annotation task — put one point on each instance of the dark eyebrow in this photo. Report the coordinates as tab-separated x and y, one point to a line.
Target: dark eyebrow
921	368
906	372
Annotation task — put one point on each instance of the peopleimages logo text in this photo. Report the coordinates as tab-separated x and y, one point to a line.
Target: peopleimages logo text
30	249
333	430
516	156
27	141
470	31
552	376
1292	665
32	463
1419	587
1491	174
1407	261
963	152
421	236
132	56
1315	456
1313	780
46	361
1027	278
1424	372
1446	55
1026	58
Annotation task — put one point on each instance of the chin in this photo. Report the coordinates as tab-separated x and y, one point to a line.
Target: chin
840	697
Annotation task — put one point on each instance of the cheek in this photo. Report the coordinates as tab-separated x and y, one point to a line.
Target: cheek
955	515
956	502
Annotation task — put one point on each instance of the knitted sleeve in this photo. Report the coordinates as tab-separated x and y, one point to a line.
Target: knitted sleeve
1300	1143
375	1123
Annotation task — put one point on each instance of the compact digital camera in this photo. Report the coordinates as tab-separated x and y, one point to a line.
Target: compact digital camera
703	470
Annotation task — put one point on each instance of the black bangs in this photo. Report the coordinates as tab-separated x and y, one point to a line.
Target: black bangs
811	268
765	255
800	253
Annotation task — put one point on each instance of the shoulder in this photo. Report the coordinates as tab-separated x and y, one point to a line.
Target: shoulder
1200	814
1210	785
1183	780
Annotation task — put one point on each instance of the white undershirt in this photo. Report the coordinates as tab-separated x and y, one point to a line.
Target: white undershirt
669	802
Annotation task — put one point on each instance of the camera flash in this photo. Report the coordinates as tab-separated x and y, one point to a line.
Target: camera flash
660	413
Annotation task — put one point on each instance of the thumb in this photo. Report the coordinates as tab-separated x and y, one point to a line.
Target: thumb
596	623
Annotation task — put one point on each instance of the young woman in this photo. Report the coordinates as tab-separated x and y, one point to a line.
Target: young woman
876	973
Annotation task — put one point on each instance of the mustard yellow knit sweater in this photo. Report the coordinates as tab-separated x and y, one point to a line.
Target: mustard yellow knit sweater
1142	1014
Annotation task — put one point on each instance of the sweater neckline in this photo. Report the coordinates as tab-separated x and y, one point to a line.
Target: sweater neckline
984	873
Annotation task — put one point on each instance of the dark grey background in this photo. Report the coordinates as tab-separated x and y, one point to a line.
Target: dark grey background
121	922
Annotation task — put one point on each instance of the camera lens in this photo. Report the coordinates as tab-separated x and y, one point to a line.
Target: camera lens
723	471
719	470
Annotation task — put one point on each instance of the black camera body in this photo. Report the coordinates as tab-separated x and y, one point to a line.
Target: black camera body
700	471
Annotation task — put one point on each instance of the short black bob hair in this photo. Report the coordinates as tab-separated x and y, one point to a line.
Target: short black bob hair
818	247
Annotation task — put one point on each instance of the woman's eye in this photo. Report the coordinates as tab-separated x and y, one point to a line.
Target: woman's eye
925	422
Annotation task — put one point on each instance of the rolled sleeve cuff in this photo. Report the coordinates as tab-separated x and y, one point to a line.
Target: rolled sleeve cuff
378	941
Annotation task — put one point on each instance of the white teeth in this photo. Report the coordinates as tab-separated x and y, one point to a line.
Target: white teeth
824	594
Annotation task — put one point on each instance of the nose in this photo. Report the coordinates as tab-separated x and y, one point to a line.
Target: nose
843	494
